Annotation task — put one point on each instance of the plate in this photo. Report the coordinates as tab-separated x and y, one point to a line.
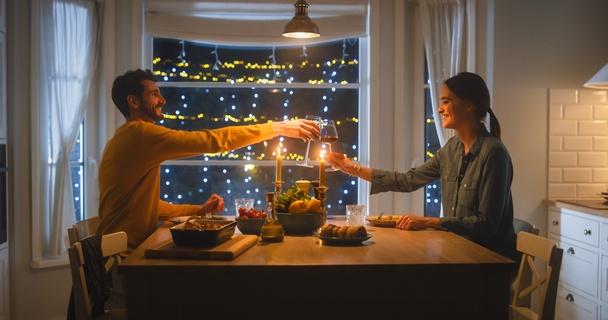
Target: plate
178	220
344	241
373	220
604	195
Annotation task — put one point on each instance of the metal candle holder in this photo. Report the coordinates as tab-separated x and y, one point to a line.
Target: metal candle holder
278	188
321	196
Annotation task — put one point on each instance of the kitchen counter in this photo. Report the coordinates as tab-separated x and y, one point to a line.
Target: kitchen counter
424	274
597	207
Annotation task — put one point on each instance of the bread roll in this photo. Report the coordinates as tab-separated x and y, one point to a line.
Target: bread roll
331	230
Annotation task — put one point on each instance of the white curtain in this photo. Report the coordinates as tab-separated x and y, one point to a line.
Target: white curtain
69	49
447	26
251	22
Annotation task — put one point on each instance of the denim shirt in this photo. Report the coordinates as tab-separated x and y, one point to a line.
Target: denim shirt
475	190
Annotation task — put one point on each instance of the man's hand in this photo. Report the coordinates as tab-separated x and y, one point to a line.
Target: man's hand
213	205
301	128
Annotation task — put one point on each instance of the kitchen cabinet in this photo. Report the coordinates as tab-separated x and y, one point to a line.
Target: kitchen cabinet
4	248
582	232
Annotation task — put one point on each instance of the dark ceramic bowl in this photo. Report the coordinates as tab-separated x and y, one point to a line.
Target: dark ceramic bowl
249	226
300	223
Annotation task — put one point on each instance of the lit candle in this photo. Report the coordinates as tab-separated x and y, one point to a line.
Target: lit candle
322	171
279	162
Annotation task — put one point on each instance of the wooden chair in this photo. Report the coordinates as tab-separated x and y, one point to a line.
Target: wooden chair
111	246
544	284
83	229
521	225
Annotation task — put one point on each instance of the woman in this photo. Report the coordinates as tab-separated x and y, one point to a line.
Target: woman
474	167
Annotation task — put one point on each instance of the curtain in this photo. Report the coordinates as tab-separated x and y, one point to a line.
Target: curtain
444	23
70	36
253	22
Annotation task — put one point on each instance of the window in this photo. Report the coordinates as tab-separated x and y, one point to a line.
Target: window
432	194
209	86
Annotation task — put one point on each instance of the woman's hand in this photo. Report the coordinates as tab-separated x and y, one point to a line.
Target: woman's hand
213	205
301	128
409	221
340	161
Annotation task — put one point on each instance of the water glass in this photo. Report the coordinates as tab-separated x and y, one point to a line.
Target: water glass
355	215
246	203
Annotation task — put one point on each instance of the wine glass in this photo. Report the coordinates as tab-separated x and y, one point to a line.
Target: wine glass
329	135
305	162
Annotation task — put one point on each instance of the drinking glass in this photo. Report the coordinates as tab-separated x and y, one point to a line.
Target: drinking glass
329	135
305	162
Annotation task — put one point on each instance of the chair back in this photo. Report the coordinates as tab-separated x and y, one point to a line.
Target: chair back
83	229
521	225
111	247
536	250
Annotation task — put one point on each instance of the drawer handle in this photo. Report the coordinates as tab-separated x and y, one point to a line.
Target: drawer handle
555	222
569	297
587	232
570	251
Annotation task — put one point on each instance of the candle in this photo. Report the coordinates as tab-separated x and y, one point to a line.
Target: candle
322	171
279	162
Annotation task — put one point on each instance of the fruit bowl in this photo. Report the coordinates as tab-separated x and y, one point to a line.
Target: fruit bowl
300	223
250	226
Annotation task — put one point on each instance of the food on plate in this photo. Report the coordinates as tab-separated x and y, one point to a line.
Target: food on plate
343	232
202	225
292	194
251	213
385	218
298	206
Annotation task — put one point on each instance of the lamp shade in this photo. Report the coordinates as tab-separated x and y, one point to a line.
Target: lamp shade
599	80
301	26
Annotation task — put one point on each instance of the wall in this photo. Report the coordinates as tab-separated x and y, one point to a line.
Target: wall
538	45
578	143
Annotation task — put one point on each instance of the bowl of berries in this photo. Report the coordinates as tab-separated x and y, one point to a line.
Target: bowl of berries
250	221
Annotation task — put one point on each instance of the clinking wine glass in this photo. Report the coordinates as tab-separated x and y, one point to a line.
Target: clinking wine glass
305	162
329	135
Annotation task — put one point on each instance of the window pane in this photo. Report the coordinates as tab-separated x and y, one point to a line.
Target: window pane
432	197
333	62
285	83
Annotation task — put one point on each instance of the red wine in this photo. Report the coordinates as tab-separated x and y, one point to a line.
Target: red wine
329	139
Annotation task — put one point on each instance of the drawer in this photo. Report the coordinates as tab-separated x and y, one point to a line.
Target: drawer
580	268
570	305
574	226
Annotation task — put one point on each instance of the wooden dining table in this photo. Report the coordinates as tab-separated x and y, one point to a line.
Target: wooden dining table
410	274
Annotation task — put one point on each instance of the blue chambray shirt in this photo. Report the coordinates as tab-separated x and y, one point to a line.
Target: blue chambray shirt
475	187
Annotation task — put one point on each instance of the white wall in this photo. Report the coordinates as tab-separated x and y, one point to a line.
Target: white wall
537	45
540	45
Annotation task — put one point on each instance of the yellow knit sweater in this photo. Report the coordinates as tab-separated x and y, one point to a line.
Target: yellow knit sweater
129	172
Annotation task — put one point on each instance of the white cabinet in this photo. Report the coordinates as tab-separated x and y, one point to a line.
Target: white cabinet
580	292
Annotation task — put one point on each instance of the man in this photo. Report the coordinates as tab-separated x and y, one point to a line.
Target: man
129	173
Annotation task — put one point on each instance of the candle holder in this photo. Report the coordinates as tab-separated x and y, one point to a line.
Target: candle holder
321	191
278	188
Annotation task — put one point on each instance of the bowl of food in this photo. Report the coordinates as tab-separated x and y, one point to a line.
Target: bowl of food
202	232
300	223
250	226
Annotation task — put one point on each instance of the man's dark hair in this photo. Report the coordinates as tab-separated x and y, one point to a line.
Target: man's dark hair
128	84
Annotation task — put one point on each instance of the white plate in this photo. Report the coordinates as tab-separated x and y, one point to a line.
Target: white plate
603	195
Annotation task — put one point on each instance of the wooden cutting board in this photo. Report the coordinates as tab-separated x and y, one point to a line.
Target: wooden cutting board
225	251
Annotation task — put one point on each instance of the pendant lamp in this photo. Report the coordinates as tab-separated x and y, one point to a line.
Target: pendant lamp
301	26
599	80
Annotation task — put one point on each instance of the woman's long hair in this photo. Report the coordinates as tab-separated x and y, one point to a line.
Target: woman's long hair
471	87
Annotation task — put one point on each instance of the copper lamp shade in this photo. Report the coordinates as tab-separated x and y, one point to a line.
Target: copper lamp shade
301	26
